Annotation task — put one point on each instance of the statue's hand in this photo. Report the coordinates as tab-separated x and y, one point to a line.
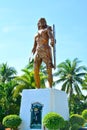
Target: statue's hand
33	51
52	44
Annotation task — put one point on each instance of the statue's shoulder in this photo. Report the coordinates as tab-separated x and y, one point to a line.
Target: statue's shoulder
49	28
36	35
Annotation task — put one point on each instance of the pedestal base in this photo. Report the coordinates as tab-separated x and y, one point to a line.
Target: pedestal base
36	103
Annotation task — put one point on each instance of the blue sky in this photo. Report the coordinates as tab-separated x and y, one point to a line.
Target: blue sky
18	26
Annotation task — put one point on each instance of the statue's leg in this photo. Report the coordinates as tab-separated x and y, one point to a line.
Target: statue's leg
50	77
37	63
47	59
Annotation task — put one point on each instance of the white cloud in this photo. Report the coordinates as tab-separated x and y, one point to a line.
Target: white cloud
5	29
11	28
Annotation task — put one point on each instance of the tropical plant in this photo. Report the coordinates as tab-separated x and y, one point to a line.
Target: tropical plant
7	73
2	127
71	75
78	104
12	121
53	121
84	85
76	119
67	125
75	127
27	81
84	114
8	104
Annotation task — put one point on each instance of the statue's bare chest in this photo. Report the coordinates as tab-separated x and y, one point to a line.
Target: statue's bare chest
43	33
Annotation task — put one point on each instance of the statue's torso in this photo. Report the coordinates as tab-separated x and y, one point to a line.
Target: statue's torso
42	37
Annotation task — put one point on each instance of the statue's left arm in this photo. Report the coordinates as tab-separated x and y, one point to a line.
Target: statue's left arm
53	41
50	34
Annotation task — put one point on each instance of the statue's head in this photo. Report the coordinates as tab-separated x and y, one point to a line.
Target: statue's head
42	23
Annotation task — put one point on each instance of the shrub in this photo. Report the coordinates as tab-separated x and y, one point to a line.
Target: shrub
1	127
75	127
53	121
84	114
76	119
67	126
11	121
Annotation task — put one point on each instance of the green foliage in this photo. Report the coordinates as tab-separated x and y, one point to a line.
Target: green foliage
6	73
2	113
84	85
75	127
11	121
76	119
53	121
25	81
2	127
85	125
8	105
84	114
70	75
67	126
77	104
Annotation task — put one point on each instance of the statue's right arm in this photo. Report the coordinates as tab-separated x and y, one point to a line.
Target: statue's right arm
34	47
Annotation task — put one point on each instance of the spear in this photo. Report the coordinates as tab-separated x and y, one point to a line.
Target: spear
54	47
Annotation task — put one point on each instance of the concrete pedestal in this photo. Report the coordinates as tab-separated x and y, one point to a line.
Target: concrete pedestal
51	100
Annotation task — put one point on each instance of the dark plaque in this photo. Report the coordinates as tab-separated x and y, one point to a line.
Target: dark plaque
36	115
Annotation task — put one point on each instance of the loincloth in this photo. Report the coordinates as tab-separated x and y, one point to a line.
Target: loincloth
44	53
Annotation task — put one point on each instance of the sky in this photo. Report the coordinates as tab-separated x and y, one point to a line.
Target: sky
18	26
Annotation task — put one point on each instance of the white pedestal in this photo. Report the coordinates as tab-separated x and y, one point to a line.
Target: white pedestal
53	100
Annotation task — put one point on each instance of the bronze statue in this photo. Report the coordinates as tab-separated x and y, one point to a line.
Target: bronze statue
42	51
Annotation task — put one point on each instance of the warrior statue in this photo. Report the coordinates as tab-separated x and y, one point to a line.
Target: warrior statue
42	51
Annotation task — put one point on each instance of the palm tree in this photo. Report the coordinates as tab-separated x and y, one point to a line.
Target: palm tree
70	74
26	81
8	105
7	102
84	86
6	73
